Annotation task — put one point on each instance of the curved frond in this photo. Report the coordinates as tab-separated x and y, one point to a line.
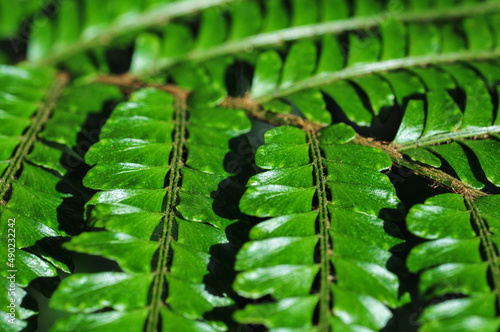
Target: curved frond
39	202
86	25
367	66
158	166
458	264
331	212
269	24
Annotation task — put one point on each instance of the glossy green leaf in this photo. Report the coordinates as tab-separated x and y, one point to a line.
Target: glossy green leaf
449	127
40	156
453	263
144	139
313	241
86	26
282	249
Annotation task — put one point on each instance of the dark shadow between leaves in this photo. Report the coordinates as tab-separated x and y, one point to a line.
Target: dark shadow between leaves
393	220
225	204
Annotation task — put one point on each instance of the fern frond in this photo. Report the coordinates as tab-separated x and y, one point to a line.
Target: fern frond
85	26
363	58
315	240
450	118
330	210
457	261
269	24
162	215
38	129
15	18
348	87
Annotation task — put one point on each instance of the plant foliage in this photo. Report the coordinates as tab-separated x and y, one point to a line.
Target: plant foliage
460	232
39	195
296	192
147	211
232	165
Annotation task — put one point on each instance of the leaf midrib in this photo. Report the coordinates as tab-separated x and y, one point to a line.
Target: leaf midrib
162	268
324	225
446	137
28	139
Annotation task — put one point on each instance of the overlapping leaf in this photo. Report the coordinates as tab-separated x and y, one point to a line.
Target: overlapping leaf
16	18
39	202
458	264
343	213
17	106
162	215
442	128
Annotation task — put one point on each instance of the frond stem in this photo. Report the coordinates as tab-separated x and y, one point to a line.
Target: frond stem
324	225
162	267
432	173
254	110
442	138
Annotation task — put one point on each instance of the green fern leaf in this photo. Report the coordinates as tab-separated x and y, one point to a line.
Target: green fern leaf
15	17
451	265
330	67
99	24
39	201
313	185
203	233
272	23
348	87
160	218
